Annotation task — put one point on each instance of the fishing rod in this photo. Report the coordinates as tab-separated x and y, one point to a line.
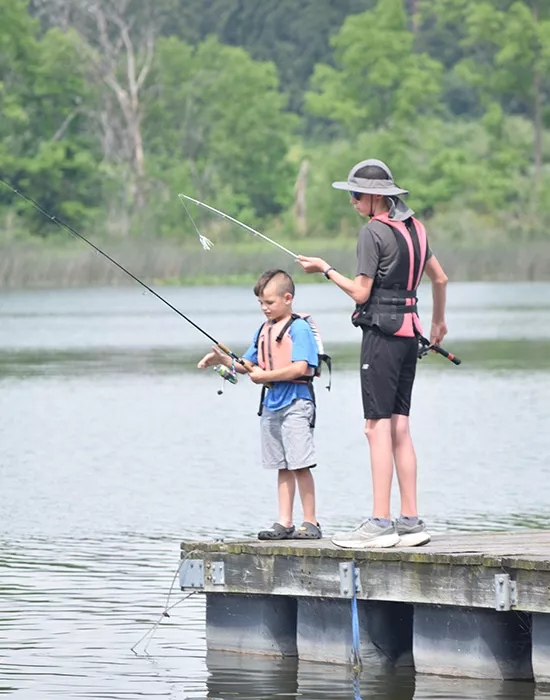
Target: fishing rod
98	250
425	346
207	244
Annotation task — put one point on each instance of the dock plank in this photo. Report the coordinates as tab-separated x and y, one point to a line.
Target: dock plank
453	569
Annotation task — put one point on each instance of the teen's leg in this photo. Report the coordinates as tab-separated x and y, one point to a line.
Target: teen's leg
306	487
286	488
379	435
380	367
381	358
405	463
403	450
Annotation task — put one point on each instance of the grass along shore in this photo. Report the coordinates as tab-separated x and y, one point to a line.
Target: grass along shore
38	264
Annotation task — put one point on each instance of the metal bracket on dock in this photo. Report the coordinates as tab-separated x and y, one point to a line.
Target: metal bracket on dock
346	584
192	573
506	592
218	573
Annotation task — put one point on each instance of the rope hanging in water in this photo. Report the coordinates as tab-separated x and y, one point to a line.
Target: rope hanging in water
165	613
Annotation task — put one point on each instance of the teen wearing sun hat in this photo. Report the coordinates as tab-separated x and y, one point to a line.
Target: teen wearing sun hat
392	255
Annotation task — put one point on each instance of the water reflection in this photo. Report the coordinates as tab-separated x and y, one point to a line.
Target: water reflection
255	678
438	688
263	678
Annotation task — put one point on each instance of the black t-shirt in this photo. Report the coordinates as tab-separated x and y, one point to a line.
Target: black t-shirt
377	250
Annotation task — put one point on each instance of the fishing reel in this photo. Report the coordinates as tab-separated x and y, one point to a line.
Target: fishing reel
227	375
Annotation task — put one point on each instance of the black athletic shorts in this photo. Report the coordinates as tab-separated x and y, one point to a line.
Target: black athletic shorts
388	367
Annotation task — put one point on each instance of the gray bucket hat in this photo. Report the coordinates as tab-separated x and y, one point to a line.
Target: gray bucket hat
381	182
373	185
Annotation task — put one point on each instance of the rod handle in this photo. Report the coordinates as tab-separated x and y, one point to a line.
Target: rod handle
455	360
225	349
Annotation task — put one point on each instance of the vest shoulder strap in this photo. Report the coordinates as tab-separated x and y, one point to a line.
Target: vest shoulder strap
259	334
294	317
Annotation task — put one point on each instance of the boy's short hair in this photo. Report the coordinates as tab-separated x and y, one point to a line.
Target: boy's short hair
285	283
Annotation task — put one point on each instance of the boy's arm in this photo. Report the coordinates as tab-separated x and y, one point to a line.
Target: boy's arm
285	374
218	358
439	294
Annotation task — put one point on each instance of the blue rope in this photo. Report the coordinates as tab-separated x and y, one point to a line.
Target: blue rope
356	640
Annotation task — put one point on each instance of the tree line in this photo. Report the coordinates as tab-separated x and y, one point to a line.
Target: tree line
109	108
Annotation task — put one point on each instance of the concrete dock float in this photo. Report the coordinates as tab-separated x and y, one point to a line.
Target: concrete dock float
473	605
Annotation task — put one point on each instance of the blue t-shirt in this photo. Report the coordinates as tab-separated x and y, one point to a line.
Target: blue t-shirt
304	347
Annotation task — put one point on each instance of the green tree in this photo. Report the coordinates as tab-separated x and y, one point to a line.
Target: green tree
294	34
215	123
507	46
45	147
378	81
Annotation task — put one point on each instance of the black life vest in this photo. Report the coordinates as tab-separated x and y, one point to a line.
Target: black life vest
392	304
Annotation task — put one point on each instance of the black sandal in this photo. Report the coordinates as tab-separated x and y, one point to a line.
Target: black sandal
277	532
308	531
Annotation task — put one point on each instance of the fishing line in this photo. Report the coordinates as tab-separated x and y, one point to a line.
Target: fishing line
239	223
165	613
153	629
71	230
203	240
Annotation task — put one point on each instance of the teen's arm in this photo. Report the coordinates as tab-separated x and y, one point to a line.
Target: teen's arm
438	279
358	289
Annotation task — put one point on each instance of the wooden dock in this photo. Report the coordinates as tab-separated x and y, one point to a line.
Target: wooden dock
471	604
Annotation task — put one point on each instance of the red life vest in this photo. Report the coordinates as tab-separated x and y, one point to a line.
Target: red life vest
274	345
391	306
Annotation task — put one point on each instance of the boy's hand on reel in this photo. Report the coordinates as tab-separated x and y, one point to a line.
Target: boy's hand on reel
212	358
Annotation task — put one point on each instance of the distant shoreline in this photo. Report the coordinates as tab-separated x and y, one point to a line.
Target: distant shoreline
25	265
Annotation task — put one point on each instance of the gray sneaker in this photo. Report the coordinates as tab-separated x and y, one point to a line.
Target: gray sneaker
368	534
412	535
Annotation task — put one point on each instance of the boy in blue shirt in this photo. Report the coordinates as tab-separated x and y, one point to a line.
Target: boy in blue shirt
283	357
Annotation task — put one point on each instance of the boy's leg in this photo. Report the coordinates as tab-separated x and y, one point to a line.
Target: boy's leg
286	489
306	487
273	457
297	439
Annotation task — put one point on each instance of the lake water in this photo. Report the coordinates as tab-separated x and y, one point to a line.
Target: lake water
113	448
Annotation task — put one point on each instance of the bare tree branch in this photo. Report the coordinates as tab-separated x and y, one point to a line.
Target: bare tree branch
65	124
147	62
117	49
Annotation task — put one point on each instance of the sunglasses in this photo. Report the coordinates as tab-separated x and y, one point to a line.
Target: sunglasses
357	195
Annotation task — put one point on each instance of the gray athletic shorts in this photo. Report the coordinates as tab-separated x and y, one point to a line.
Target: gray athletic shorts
287	436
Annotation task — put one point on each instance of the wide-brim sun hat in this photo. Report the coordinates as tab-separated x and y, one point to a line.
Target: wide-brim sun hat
378	181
